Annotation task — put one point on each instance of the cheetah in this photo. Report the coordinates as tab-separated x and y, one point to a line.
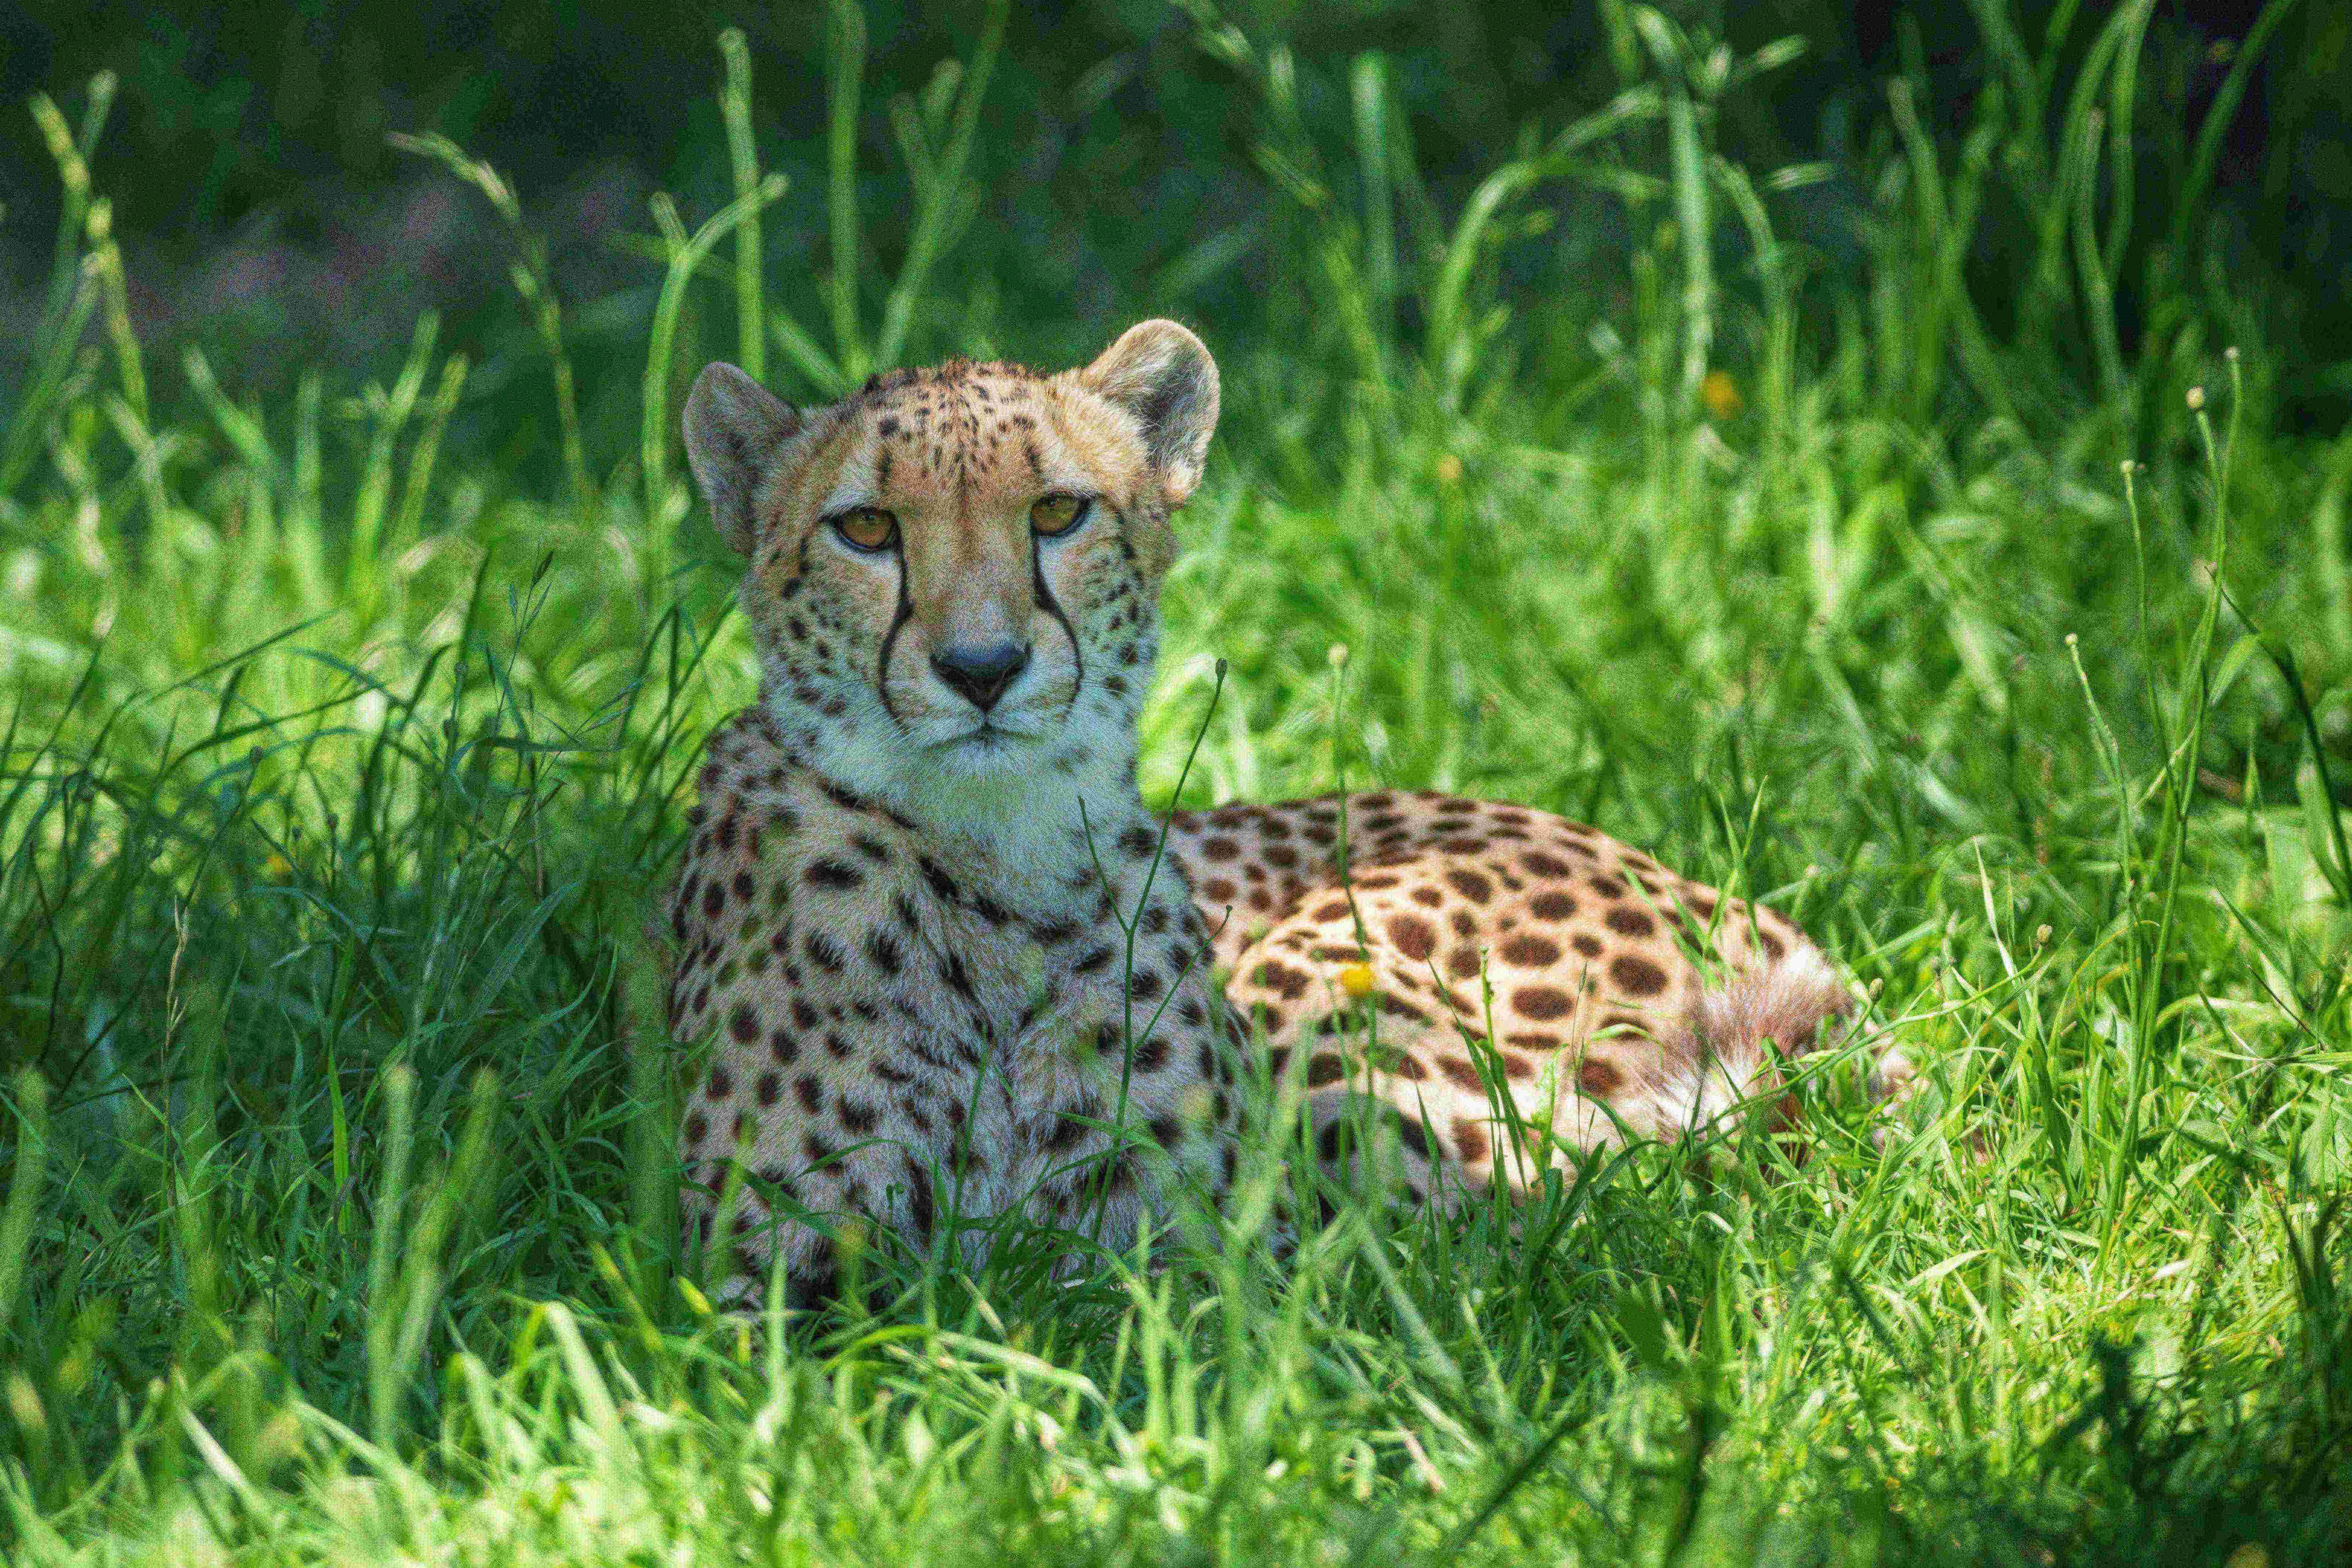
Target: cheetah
952	964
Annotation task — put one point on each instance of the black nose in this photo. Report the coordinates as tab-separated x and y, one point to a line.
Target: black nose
982	672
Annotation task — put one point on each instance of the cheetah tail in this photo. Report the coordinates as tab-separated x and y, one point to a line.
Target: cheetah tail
1741	1032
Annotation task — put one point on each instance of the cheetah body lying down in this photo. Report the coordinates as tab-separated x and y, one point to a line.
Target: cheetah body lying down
926	916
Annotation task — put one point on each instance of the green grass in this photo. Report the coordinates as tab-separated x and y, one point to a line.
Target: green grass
337	1206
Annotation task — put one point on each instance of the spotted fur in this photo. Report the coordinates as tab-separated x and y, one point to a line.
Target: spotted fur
945	967
1472	964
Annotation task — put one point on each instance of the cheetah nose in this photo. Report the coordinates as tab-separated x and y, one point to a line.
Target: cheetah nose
982	671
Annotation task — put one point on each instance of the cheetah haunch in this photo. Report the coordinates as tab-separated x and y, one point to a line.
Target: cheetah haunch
901	910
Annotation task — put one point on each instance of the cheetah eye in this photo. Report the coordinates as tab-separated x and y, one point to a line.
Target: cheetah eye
867	527
1059	513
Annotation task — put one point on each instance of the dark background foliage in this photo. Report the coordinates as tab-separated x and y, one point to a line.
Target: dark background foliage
265	212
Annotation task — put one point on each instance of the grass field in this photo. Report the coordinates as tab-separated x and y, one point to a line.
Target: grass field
338	1210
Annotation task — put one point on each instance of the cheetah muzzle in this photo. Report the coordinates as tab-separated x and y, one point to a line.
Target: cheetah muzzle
905	909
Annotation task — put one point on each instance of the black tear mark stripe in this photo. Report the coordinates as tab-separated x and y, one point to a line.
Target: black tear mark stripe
1046	602
890	639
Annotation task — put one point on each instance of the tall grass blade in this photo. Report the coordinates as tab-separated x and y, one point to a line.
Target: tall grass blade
743	158
27	1168
845	75
686	257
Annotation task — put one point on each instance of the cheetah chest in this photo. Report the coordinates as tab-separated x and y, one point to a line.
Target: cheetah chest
874	1011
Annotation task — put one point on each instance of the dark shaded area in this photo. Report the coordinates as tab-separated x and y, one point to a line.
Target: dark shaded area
247	153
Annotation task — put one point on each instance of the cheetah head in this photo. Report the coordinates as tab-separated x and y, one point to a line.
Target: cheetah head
954	572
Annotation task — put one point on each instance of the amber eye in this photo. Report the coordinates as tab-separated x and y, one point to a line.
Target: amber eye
1058	514
867	527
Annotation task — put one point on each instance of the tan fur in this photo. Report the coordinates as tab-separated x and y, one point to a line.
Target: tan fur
907	925
1510	954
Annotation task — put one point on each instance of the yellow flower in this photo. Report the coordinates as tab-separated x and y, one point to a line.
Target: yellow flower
1355	980
1720	393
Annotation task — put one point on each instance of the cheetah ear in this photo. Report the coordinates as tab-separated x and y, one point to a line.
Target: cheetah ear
1161	375
732	425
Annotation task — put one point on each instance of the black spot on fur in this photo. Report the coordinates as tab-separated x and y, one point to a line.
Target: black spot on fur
918	1198
832	873
840	796
942	885
953	973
